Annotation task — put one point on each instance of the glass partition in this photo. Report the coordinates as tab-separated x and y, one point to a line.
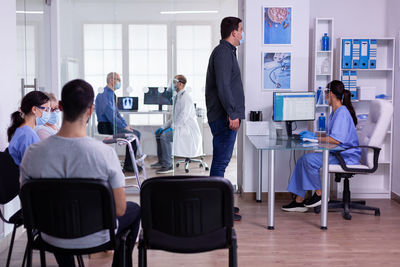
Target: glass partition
33	42
147	44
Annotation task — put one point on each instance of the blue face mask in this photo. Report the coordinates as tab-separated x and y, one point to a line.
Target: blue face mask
42	120
54	117
242	40
117	85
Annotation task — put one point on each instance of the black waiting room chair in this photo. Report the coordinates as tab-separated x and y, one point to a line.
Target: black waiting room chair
9	189
187	214
68	208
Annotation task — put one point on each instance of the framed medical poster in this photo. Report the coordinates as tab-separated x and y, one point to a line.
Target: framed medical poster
276	70
277	25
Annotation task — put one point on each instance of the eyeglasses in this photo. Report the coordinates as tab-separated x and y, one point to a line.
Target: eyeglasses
47	109
54	110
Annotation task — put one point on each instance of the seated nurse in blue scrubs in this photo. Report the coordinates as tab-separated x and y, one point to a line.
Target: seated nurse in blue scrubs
341	131
34	110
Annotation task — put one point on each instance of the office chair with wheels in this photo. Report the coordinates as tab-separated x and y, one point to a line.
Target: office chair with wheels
9	189
371	138
187	214
187	161
68	208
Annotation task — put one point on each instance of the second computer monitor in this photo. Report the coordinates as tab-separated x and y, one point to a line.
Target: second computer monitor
154	97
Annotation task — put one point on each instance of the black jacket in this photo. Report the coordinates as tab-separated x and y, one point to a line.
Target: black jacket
224	88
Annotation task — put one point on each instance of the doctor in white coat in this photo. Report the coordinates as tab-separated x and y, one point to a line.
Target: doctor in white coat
182	130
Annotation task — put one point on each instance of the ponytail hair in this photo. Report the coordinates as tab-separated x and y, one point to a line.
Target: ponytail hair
337	88
30	100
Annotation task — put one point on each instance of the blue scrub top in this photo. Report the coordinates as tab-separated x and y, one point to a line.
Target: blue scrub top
341	128
23	137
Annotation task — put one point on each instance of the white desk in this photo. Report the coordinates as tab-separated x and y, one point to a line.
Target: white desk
271	144
165	113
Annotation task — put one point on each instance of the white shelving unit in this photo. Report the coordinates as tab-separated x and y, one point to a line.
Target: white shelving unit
377	185
320	79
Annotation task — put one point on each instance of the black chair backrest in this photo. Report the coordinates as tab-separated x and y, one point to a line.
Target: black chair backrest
187	213
68	208
9	178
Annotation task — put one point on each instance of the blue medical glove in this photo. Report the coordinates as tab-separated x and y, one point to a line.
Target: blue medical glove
308	134
158	131
168	130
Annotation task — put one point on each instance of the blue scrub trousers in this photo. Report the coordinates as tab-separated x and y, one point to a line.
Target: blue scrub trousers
223	142
306	173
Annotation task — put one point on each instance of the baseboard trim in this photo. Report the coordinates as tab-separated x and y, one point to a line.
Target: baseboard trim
395	197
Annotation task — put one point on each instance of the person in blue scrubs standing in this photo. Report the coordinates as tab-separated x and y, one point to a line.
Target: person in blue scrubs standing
34	110
341	131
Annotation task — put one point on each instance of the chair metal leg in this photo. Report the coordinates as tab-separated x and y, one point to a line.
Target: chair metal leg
80	261
361	202
233	252
42	258
142	256
29	257
358	206
11	245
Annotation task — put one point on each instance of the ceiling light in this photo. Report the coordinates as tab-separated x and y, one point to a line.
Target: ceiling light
189	12
29	12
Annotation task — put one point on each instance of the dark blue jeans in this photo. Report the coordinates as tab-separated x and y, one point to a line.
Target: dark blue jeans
223	143
130	220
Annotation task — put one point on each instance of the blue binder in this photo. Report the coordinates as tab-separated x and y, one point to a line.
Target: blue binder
373	46
356	53
353	84
346	53
364	54
346	79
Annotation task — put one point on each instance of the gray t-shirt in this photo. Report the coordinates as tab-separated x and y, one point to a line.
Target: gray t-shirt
85	157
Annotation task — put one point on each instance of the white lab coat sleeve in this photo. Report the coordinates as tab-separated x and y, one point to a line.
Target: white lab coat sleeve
182	114
167	124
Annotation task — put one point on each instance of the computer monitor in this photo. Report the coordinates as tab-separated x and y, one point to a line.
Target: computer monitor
127	103
154	97
293	106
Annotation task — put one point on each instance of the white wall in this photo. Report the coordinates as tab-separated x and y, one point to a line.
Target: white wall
393	29
256	99
10	92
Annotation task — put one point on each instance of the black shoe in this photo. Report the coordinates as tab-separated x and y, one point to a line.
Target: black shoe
314	201
130	169
236	210
237	217
165	170
295	206
156	165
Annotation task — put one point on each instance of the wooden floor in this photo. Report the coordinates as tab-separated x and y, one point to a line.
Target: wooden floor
366	240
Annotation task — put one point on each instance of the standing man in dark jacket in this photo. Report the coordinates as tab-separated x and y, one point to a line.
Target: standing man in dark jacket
225	96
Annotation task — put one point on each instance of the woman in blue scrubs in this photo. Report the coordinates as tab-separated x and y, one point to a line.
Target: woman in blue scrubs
34	110
341	131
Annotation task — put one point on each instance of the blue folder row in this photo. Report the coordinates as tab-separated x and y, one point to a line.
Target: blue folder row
359	53
349	79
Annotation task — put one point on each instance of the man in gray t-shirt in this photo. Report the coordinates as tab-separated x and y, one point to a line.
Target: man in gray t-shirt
72	154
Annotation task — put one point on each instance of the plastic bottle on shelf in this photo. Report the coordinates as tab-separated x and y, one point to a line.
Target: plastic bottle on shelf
325	67
321	123
325	42
320	96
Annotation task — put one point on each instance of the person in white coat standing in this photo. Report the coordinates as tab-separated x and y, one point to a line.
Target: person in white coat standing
182	130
